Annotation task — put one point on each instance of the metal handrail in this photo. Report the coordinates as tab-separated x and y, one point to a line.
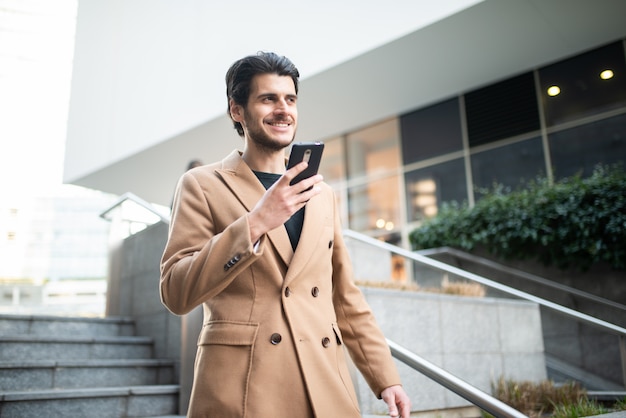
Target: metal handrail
136	199
484	281
474	395
525	275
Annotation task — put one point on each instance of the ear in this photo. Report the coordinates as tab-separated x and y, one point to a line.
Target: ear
236	111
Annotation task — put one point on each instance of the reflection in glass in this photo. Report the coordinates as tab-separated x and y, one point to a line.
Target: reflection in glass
332	166
375	205
510	165
580	149
373	150
587	83
428	188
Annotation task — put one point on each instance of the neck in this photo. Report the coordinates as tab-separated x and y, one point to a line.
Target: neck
267	162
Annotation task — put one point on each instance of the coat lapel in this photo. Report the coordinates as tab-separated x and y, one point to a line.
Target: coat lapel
309	238
248	189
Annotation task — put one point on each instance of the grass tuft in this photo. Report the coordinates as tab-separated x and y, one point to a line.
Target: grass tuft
546	399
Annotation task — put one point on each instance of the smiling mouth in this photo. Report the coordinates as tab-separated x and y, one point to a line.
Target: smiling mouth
280	124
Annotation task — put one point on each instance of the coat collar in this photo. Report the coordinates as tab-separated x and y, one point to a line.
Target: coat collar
248	189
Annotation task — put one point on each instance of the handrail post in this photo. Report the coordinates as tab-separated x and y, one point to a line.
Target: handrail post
622	353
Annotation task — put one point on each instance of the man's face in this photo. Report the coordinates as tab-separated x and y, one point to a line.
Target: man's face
270	117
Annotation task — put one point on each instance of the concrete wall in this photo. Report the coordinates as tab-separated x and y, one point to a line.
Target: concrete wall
134	291
584	353
477	339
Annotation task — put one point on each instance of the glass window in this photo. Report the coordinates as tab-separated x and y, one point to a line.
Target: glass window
509	165
373	150
332	166
584	85
580	149
375	206
502	110
430	132
427	188
374	158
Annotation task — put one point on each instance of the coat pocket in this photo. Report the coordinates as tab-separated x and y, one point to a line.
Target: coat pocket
228	333
337	334
222	369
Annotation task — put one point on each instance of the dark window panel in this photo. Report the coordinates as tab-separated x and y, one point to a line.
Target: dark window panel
582	91
510	165
580	149
427	188
502	110
432	131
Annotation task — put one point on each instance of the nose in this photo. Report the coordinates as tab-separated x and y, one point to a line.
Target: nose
281	104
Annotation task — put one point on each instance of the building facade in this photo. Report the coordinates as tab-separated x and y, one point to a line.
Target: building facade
554	121
428	118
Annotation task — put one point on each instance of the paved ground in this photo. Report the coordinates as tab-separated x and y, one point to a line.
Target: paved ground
620	414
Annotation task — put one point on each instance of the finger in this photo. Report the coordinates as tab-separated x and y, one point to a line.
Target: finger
294	171
405	409
306	184
393	409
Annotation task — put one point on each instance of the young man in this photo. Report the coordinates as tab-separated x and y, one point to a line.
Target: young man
268	263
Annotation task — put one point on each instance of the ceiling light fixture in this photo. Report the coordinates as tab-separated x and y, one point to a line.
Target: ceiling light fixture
606	74
553	91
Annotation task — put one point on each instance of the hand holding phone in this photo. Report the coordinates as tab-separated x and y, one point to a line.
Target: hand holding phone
311	152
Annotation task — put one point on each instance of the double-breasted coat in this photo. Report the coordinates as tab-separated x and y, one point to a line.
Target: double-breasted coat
276	322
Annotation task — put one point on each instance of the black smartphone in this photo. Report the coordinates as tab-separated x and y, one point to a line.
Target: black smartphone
311	152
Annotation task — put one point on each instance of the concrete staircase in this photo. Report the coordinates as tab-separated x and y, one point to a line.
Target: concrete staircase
81	367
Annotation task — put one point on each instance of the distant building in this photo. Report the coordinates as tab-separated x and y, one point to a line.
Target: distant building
54	251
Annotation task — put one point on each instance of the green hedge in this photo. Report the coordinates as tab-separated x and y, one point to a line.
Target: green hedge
573	223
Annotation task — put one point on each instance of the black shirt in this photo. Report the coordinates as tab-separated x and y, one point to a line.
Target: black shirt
293	224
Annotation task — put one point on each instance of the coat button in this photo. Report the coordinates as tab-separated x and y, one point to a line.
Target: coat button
287	292
276	338
325	342
315	291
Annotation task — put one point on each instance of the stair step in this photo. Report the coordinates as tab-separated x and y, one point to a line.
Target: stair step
20	347
59	326
129	401
50	374
81	367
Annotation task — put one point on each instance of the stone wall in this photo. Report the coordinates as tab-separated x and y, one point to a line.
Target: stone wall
478	340
134	290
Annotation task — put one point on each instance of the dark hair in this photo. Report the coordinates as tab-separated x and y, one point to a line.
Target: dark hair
240	74
194	164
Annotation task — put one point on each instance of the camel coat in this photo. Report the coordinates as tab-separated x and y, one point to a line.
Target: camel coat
275	322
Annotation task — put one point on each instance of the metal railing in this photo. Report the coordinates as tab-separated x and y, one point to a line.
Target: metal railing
477	397
437	265
128	196
525	275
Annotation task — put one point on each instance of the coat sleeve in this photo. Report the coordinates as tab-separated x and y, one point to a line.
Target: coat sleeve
361	334
198	261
